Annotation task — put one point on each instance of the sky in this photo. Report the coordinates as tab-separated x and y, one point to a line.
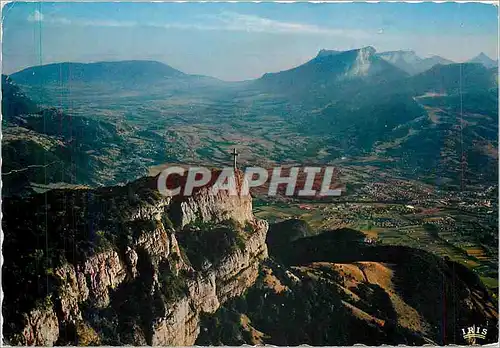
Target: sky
238	41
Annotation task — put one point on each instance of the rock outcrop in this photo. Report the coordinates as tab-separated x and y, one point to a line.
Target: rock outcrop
126	249
42	327
236	272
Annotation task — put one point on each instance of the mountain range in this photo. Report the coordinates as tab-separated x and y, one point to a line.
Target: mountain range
330	70
136	71
348	103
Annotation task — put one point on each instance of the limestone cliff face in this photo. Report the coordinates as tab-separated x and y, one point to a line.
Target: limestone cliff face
217	207
136	256
206	206
41	329
237	271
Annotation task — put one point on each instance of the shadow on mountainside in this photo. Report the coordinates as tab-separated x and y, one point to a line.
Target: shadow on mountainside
306	295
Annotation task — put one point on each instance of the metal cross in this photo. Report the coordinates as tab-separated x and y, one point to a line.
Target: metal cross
235	154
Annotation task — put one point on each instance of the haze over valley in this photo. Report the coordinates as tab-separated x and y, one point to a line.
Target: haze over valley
407	254
356	105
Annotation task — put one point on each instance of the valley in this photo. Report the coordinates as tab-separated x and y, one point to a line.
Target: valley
410	154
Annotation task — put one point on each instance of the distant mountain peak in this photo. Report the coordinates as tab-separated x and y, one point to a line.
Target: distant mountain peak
398	54
127	71
368	50
330	69
364	50
410	62
485	60
483	55
324	53
362	63
403	59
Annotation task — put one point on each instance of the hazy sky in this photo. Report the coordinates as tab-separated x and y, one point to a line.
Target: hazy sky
235	41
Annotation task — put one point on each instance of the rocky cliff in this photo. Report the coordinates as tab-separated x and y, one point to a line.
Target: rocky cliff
124	265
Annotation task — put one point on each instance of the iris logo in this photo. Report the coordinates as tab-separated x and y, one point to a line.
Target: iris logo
473	332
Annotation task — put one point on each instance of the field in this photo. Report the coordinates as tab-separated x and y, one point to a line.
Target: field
440	231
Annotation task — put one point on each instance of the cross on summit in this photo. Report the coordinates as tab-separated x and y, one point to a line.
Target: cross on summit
235	154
